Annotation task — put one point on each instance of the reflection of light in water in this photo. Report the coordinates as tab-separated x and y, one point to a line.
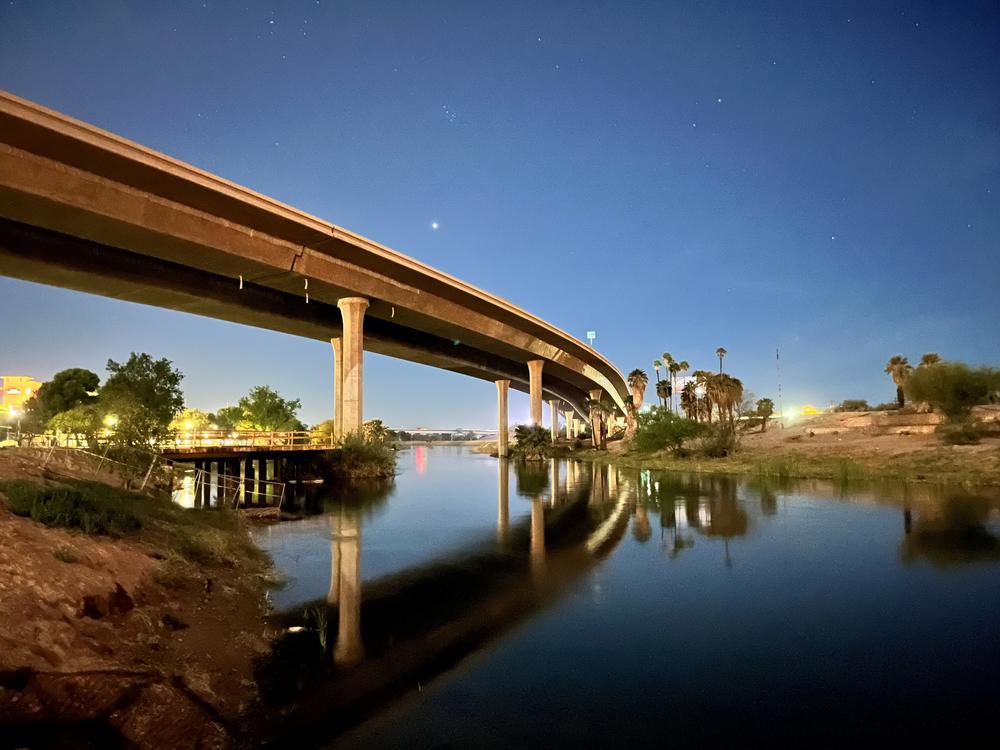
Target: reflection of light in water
421	455
184	496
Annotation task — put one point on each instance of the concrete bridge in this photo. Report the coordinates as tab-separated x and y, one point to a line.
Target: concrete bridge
84	209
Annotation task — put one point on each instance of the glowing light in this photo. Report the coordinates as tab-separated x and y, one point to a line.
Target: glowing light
110	421
434	225
189	425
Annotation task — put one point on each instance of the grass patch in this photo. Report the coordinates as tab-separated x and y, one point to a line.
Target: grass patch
202	537
92	507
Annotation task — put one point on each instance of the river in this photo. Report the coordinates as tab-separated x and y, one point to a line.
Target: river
471	603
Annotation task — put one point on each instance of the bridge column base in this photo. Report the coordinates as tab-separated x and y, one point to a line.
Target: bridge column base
503	386
352	310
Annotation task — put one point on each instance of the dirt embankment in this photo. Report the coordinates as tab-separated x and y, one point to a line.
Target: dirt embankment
107	642
864	444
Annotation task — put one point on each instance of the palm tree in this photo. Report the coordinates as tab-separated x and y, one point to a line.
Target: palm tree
720	353
899	368
657	364
682	366
689	400
674	367
704	403
930	358
637	381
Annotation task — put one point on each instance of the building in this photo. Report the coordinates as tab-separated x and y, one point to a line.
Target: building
14	391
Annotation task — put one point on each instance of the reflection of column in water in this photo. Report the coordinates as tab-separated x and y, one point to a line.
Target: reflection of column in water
612	481
269	476
349	649
333	595
553	482
537	535
503	499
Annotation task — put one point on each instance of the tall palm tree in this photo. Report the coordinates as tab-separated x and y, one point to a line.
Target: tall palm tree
704	402
898	368
657	364
682	366
689	400
930	358
637	381
720	353
674	367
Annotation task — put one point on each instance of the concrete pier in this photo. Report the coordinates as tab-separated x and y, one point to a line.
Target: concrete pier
595	418
535	389
568	415
554	408
503	386
338	386
352	310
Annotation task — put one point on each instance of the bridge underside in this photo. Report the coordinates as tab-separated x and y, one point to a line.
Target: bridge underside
46	257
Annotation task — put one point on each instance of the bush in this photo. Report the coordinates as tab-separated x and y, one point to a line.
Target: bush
89	506
853	404
659	428
360	457
952	387
719	440
531	441
967	432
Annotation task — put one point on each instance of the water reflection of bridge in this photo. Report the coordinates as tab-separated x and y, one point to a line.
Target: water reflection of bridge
418	622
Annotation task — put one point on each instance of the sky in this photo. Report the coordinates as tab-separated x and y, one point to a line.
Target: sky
819	178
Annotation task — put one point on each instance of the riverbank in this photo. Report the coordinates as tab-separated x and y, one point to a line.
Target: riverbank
818	449
124	619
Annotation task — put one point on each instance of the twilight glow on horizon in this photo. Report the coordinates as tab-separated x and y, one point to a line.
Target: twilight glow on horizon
817	178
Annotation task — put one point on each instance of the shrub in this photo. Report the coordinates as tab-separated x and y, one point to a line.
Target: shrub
658	428
89	506
531	441
966	432
952	387
853	404
719	440
65	553
360	457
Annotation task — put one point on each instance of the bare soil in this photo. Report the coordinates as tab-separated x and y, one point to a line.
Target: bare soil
110	638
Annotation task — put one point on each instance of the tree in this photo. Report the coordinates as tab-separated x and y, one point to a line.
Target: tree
930	358
263	408
898	368
689	400
720	353
191	420
659	428
953	387
226	418
657	364
765	408
142	395
637	381
82	422
67	390
663	391
853	404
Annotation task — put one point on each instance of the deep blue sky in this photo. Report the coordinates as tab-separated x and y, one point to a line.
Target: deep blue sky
821	177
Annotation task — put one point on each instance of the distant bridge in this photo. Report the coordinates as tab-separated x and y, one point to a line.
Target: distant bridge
84	209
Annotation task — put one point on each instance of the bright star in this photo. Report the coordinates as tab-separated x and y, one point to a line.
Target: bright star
434	225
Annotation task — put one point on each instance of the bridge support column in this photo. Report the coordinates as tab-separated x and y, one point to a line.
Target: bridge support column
568	414
338	386
503	386
576	426
352	310
595	419
535	389
554	408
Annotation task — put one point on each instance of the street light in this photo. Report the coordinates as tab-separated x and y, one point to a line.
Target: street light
14	412
110	421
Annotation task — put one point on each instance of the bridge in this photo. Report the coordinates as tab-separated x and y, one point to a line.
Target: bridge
84	209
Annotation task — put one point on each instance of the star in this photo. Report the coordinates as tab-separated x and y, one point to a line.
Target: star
719	100
434	225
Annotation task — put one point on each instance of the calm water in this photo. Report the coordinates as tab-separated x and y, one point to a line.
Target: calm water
570	605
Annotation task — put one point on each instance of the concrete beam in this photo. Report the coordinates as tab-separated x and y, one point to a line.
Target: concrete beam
353	311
